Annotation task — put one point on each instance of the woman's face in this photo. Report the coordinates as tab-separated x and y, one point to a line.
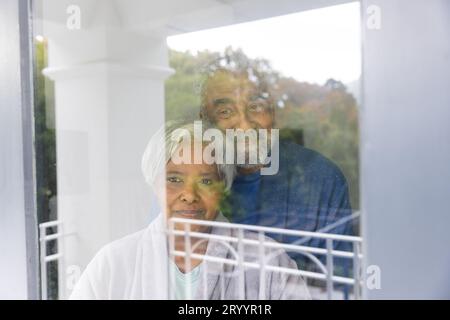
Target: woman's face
193	191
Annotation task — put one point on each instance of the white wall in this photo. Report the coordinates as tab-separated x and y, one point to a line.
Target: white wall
405	154
18	240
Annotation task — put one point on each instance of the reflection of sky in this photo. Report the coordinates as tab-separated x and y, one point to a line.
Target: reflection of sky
309	46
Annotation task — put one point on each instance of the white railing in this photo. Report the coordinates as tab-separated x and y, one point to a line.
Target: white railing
44	238
326	270
325	273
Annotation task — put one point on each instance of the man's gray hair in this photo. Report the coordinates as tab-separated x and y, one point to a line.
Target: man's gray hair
162	147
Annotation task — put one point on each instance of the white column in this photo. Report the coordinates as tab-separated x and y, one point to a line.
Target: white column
109	99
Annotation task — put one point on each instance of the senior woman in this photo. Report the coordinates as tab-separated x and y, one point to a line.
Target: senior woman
138	266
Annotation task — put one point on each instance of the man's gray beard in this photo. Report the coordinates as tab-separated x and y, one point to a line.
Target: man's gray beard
207	123
248	166
259	163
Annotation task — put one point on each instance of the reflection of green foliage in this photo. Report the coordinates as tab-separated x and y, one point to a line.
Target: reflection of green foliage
323	118
183	98
225	206
292	134
45	143
45	151
328	116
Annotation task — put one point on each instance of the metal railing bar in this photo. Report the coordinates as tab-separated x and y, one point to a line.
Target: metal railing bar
276	245
240	264
187	261
262	262
300	233
50	224
53	257
330	268
306	274
50	237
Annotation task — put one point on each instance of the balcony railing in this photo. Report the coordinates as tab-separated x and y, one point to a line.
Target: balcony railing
45	258
326	271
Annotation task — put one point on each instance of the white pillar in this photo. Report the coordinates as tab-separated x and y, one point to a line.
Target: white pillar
109	99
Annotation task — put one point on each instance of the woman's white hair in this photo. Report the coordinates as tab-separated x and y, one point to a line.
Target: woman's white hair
162	147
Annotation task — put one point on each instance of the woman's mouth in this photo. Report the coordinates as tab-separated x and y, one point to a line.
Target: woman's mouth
190	214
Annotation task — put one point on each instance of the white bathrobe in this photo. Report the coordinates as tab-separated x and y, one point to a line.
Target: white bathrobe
136	267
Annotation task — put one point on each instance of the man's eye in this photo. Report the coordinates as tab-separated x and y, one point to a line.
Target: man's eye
174	180
256	107
224	113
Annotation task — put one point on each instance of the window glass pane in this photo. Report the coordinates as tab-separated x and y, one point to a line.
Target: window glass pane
115	81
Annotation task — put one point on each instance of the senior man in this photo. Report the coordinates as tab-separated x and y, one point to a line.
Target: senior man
309	192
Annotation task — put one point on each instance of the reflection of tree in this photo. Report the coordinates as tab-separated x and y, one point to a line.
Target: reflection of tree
328	116
323	118
45	144
45	152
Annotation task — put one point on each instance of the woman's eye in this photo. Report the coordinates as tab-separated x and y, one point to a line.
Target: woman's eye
174	179
206	182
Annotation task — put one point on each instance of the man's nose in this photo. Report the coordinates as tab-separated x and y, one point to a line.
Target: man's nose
245	122
189	195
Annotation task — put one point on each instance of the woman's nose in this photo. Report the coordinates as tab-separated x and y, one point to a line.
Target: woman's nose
189	195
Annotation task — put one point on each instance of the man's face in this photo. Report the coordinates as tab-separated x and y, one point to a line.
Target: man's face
234	102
